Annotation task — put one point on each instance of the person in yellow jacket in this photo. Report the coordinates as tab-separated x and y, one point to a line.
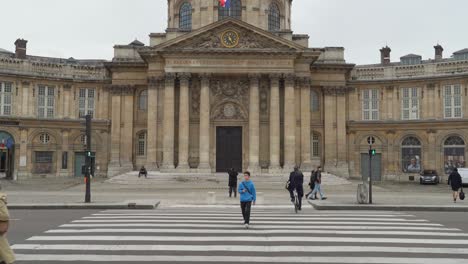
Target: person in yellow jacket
6	254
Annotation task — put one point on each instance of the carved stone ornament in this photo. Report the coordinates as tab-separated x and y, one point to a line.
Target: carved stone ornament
229	89
213	40
195	103
229	111
264	98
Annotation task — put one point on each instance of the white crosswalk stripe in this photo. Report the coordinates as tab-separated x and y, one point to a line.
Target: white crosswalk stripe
198	235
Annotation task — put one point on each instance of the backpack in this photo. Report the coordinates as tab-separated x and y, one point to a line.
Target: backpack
313	178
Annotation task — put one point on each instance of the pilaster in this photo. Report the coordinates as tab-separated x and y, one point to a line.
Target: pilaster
204	155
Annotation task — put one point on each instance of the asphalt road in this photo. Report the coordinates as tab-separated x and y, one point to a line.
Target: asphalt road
191	235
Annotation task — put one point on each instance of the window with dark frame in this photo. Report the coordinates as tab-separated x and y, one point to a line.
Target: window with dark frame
234	11
185	16
274	19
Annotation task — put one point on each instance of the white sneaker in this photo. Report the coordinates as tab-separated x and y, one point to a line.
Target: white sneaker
246	226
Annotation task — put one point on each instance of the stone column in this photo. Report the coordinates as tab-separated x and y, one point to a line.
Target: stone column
275	126
184	122
204	155
254	124
67	100
289	123
23	171
127	149
306	161
114	165
168	122
329	137
151	148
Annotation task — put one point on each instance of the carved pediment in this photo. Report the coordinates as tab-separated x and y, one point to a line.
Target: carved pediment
247	37
213	40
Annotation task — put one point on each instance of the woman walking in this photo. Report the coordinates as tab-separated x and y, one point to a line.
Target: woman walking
455	181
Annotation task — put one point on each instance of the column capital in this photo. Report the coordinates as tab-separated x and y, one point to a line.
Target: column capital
124	89
290	78
184	77
274	76
170	76
254	76
155	81
304	81
204	76
336	90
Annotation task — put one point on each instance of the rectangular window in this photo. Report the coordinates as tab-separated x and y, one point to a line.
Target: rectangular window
5	98
315	145
46	102
370	104
86	102
141	147
453	101
410	104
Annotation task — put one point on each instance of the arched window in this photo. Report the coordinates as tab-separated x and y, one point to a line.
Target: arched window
143	100
315	145
454	153
411	155
314	101
274	20
234	10
185	16
44	138
141	144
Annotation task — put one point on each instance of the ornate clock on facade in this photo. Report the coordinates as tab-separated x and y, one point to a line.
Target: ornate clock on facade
230	38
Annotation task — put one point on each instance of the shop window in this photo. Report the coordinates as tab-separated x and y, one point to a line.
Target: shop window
454	153
411	155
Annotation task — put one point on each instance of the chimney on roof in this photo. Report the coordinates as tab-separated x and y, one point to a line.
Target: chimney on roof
20	51
439	52
385	55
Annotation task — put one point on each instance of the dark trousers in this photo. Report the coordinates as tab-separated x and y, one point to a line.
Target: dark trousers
232	189
246	206
300	194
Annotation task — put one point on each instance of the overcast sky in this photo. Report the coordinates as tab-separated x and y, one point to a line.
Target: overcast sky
89	28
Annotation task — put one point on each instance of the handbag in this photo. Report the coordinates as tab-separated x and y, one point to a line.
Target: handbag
288	184
462	195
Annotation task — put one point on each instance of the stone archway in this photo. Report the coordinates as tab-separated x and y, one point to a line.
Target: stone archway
7	155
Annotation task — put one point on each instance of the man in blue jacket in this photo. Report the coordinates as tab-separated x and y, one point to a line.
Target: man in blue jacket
248	196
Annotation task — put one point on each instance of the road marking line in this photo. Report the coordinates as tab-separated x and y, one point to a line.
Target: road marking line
253	239
242	248
326	225
253	215
236	259
265	232
261	218
256	222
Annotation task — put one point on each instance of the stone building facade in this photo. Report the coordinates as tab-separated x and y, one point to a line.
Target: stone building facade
231	87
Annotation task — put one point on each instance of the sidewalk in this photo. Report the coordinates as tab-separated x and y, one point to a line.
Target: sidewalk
195	189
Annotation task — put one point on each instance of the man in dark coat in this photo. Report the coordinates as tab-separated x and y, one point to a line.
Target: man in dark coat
233	182
455	181
296	180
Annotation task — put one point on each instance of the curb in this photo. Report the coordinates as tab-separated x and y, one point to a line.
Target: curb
83	206
364	207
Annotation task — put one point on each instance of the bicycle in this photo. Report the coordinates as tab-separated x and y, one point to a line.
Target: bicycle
296	201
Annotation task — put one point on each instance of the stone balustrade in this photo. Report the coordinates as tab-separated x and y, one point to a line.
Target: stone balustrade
399	71
95	71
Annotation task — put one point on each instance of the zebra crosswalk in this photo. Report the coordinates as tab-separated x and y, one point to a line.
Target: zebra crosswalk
192	235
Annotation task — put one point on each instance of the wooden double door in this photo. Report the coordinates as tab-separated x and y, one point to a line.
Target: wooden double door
228	148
